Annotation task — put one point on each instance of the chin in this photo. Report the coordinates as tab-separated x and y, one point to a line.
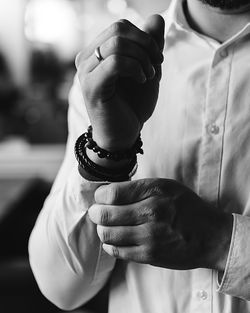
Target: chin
227	4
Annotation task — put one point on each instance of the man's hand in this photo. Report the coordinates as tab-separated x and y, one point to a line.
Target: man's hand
121	91
162	223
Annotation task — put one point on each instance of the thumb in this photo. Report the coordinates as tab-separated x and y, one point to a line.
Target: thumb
155	26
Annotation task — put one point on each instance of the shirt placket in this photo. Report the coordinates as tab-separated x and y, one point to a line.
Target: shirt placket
211	154
214	117
201	300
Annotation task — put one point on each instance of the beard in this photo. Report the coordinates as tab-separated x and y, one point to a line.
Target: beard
226	4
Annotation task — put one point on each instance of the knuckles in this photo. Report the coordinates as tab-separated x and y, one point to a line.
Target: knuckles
120	27
112	251
117	44
115	252
104	234
153	210
114	61
99	214
112	194
154	187
147	211
108	236
104	216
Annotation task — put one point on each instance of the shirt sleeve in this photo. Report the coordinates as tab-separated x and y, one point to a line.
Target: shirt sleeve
66	255
236	278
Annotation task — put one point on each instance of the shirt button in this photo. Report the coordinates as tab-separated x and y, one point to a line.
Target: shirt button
214	129
224	53
202	294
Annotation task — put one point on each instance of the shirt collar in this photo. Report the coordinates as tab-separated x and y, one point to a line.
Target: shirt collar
175	17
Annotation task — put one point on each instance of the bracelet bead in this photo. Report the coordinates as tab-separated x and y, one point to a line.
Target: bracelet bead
116	155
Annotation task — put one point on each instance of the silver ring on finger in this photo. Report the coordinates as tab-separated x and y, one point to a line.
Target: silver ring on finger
98	54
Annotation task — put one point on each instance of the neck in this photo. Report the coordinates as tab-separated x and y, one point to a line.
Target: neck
225	23
148	7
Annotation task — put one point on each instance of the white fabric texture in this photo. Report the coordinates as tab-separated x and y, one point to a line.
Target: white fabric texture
199	135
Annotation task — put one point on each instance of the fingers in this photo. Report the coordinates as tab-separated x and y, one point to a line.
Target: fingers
112	68
124	47
121	235
155	26
134	214
132	253
129	192
124	29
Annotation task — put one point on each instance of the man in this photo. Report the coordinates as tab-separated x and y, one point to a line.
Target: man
178	243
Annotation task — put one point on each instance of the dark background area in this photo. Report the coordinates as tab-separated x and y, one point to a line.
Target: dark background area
38	43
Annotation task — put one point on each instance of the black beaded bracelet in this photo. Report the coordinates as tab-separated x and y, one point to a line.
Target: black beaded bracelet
116	155
86	166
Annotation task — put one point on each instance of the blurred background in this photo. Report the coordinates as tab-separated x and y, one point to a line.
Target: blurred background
38	43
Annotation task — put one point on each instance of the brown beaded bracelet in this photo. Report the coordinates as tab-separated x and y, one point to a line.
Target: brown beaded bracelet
116	155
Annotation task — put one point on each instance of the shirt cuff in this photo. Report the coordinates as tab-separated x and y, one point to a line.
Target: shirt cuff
236	278
87	254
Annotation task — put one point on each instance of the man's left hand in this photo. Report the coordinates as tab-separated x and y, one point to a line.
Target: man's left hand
161	222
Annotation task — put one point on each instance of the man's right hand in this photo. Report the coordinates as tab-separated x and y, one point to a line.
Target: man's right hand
121	91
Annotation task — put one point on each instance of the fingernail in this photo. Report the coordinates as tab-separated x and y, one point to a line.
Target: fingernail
92	213
107	248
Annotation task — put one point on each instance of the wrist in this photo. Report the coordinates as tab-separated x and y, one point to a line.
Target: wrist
114	155
97	163
116	140
106	162
114	144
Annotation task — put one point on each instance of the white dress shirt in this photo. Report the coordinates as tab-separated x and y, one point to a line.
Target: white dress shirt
199	135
